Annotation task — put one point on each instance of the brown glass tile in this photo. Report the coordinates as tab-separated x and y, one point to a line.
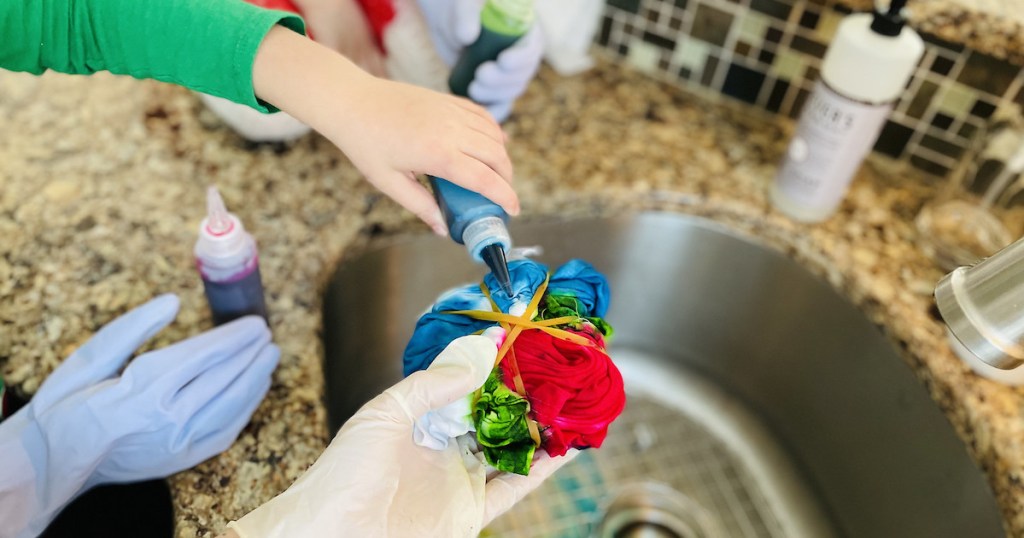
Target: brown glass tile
652	15
711	25
967	131
798	103
987	73
773	35
742	48
929	167
807	46
675	23
942	147
766	56
709	70
922	99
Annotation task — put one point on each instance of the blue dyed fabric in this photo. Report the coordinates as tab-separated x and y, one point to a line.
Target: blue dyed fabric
434	330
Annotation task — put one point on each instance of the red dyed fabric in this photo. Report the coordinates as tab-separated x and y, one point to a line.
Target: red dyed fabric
575	391
379	13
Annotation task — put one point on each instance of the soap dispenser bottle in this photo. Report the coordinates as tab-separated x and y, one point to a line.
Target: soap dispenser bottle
865	70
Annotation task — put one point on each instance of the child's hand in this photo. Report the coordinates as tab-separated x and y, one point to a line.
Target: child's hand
390	131
341	25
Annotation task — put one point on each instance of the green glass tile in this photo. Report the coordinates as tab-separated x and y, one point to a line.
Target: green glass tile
691	53
955	99
827	25
753	26
644	56
788	65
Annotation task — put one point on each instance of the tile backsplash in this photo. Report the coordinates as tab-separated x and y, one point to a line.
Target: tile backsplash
768	53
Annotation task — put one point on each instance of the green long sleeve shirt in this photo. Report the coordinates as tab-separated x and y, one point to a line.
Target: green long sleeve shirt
206	45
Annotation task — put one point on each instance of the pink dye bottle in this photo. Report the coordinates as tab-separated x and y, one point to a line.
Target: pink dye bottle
228	262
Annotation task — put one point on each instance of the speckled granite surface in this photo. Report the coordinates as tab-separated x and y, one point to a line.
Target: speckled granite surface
995	27
103	183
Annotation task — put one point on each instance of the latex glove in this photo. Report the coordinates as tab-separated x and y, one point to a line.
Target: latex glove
374	481
455	24
169	410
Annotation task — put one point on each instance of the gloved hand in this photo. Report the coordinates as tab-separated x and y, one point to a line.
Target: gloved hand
374	481
169	410
455	24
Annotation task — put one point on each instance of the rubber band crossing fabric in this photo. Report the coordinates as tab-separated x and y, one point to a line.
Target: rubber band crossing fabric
554	385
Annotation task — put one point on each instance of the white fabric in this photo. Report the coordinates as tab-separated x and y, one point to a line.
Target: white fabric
438	426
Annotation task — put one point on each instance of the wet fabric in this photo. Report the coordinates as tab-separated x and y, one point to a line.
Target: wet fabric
572	389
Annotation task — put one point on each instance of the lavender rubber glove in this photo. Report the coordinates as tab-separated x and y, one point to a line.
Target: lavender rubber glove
169	410
455	24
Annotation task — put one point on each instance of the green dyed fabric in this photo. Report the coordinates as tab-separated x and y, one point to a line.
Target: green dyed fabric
557	306
499	415
206	45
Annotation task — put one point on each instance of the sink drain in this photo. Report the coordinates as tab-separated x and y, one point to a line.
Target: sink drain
651	510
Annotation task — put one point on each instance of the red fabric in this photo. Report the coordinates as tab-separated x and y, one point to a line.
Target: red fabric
574	391
379	13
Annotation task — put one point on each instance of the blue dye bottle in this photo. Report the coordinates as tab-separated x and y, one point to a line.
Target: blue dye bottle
228	262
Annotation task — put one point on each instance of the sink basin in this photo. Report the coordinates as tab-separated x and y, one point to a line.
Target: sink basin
762	400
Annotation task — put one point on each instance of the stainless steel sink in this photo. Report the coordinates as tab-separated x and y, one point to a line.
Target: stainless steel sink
761	402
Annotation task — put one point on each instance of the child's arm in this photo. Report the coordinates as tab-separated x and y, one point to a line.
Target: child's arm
389	130
235	50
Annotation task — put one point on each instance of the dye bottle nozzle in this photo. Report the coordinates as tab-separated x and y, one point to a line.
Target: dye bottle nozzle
228	263
472	219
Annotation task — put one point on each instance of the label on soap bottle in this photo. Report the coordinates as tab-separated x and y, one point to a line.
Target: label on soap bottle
833	137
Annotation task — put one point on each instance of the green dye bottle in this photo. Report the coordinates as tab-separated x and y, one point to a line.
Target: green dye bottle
502	23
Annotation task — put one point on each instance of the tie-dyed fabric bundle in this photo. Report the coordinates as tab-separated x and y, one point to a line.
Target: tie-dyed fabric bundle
554	385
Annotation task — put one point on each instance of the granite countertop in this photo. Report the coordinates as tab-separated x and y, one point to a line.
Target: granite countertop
994	27
103	182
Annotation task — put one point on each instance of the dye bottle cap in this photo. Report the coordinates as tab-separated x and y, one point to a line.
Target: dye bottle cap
224	249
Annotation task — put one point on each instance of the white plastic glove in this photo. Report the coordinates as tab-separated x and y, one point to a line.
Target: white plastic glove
374	481
169	410
455	24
